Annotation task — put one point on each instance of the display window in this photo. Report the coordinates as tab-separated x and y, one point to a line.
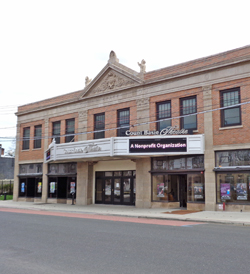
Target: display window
196	188
233	187
30	187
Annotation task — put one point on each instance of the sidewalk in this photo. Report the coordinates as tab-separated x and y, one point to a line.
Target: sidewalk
223	217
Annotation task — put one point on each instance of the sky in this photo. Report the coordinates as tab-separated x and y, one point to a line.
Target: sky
48	47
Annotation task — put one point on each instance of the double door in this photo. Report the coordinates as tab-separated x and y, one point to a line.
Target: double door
115	190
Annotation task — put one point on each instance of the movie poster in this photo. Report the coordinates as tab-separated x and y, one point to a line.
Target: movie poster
52	187
198	191
39	187
241	191
22	187
225	192
160	190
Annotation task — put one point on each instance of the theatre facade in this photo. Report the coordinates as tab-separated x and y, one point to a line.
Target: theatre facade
173	137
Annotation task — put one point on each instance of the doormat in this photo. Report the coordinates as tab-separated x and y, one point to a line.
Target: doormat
182	212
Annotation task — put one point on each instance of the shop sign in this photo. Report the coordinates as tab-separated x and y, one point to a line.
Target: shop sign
89	148
165	131
157	145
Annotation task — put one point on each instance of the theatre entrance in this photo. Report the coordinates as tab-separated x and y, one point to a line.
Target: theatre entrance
115	187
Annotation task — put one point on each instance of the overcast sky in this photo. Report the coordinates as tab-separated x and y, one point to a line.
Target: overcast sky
48	47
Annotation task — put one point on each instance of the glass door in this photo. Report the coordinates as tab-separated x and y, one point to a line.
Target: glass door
108	189
117	190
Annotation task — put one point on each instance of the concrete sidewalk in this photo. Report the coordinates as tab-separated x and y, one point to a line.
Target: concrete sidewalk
223	217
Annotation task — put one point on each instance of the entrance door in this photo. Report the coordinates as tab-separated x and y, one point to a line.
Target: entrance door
115	190
183	190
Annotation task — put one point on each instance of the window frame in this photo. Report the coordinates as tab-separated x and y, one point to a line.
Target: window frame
223	122
26	139
97	127
158	124
56	136
125	126
182	126
70	138
37	138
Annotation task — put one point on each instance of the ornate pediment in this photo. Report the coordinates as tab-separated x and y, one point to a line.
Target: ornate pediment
113	77
112	81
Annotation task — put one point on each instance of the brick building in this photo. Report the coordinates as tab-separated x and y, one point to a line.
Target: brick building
173	137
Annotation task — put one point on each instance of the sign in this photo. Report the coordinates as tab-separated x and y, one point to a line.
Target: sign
39	187
48	155
52	187
157	145
88	148
72	187
225	192
22	187
165	131
241	190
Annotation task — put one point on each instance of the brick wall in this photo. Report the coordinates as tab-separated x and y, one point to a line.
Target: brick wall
233	135
175	107
111	118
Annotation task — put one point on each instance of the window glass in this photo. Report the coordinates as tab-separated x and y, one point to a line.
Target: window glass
196	187
188	107
99	124
37	136
70	130
159	188
233	158
26	138
56	131
123	121
108	173
127	173
163	111
230	116
233	187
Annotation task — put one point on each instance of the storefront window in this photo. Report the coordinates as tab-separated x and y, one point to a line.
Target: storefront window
178	163
160	188
233	158
196	188
233	187
165	188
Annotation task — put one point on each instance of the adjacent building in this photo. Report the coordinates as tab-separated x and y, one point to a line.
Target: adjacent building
173	137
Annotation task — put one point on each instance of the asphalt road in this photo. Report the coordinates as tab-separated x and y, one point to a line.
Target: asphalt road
54	244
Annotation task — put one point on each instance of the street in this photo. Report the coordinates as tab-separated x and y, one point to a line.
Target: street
32	243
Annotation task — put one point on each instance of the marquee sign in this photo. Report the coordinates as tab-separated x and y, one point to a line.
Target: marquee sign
157	145
166	131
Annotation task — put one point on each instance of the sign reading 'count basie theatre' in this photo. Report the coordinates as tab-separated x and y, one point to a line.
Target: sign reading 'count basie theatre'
157	145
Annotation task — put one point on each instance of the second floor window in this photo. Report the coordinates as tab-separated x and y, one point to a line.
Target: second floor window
37	136
26	138
99	125
188	107
70	130
123	121
230	116
56	131
163	111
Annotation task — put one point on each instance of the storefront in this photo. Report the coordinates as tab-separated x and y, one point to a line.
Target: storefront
30	181
62	182
173	170
233	178
178	181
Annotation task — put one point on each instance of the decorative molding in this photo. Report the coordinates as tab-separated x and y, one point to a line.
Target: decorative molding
112	81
